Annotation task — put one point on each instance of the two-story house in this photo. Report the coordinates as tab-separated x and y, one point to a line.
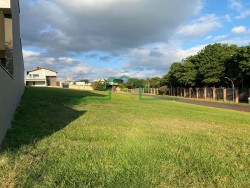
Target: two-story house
11	63
41	77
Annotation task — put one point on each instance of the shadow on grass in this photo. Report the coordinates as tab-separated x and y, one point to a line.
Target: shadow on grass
42	112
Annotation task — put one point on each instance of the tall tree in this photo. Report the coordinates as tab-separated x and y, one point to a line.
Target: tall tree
155	82
135	83
174	75
189	74
239	66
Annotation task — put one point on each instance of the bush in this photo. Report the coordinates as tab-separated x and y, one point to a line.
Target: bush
98	85
163	90
124	89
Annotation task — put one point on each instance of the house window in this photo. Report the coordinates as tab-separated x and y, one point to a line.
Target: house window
30	75
35	75
6	43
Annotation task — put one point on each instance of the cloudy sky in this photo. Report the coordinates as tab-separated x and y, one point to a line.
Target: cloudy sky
91	39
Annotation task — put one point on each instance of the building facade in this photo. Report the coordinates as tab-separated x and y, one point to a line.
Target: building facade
11	63
41	77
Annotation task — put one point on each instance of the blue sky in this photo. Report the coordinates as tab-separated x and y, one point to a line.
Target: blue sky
93	39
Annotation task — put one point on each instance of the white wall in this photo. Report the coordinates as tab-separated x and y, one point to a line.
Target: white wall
11	87
4	3
42	73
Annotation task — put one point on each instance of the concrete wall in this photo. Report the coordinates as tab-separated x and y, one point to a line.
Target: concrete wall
36	83
80	87
11	87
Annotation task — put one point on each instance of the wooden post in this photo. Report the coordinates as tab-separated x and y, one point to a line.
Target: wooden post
236	95
205	93
214	92
190	92
182	95
224	94
197	93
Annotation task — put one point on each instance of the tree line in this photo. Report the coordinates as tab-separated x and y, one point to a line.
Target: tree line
215	65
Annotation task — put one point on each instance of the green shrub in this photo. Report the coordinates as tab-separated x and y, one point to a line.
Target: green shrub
163	90
124	89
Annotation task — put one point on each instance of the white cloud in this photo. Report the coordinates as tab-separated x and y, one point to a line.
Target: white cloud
29	53
200	27
235	4
79	26
240	30
238	6
221	37
158	57
243	14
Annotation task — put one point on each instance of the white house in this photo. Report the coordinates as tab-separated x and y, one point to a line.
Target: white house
41	77
11	63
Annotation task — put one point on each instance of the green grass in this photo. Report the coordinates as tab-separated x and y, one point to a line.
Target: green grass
123	142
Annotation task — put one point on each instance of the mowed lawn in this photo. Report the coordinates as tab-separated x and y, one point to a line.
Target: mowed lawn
59	142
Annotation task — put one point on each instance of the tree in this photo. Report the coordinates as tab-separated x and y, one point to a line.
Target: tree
135	83
239	66
98	85
211	62
174	75
210	66
84	80
189	74
155	82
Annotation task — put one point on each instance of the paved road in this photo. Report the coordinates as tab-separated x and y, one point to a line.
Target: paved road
217	105
208	103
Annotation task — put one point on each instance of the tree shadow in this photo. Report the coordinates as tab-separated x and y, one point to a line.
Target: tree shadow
42	112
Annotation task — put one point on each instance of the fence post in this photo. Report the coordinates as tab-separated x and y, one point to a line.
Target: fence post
237	95
214	91
181	92
197	93
205	93
224	94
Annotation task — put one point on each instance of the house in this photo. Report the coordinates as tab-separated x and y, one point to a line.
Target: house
41	77
11	63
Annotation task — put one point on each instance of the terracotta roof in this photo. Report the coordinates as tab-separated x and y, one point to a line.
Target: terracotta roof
39	68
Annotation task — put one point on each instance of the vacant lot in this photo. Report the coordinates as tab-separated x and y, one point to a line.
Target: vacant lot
123	142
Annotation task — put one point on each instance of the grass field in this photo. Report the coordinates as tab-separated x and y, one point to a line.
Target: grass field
123	142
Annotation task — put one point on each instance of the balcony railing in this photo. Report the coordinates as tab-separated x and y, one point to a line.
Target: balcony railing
7	62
